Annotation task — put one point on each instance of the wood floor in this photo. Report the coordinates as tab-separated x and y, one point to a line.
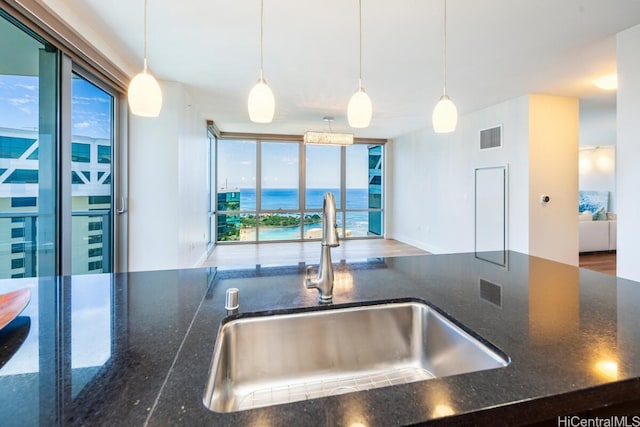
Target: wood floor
264	254
604	262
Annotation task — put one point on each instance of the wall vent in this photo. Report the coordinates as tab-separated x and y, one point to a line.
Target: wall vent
491	138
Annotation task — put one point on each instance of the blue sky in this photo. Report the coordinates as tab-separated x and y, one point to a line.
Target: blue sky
91	110
91	106
19	102
237	165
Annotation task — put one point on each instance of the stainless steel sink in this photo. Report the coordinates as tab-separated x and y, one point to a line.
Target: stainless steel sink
278	358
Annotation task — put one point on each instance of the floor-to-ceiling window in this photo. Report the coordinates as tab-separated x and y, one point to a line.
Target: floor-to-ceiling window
323	173
279	202
364	190
269	190
236	190
57	131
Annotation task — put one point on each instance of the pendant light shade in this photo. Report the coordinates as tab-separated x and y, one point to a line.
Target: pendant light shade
445	114
261	103
360	108
144	93
145	96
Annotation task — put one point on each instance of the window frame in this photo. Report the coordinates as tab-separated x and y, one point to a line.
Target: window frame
302	210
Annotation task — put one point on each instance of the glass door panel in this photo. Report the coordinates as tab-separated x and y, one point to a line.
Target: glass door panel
28	141
91	177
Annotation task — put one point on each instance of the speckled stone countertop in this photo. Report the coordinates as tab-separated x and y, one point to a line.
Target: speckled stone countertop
135	349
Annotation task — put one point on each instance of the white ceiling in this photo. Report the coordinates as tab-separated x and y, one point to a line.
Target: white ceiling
497	50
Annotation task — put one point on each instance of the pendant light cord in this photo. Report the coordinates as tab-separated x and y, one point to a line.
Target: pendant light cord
145	36
445	47
360	47
261	37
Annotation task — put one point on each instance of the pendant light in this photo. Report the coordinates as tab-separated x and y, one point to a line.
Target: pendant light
360	108
445	114
144	94
261	103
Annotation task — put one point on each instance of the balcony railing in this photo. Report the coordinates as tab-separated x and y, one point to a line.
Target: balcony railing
91	243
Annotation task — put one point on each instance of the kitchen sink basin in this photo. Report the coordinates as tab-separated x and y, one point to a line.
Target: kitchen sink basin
274	358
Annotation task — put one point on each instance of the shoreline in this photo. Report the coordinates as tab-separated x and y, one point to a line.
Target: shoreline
249	234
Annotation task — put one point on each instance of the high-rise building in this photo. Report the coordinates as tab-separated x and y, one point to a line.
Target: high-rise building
375	189
228	225
19	193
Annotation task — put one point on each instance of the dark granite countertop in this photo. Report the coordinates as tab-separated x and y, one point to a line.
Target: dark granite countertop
135	348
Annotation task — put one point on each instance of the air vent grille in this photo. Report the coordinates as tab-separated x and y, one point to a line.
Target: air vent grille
491	138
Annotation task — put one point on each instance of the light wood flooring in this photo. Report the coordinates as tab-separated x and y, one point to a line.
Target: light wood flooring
264	254
604	262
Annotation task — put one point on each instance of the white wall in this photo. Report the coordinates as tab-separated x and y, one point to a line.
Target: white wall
553	171
80	19
433	180
432	188
513	115
192	189
598	120
167	185
628	153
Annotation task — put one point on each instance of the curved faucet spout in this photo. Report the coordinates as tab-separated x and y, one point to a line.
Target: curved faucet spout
329	224
324	280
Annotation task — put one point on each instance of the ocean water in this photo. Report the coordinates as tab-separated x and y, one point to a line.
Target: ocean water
356	223
287	198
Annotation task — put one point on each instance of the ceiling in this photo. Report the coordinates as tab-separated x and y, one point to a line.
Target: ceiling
497	50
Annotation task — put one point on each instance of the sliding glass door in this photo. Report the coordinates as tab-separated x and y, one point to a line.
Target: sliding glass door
28	155
56	162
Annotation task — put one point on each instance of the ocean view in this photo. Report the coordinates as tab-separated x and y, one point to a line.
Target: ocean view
357	223
287	198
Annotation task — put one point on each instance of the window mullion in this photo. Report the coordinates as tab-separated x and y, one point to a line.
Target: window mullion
258	186
302	185
343	189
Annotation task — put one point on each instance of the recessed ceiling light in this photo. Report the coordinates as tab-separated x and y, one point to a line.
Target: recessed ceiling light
608	82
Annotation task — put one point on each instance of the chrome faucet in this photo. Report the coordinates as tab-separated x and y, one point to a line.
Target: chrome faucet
323	282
